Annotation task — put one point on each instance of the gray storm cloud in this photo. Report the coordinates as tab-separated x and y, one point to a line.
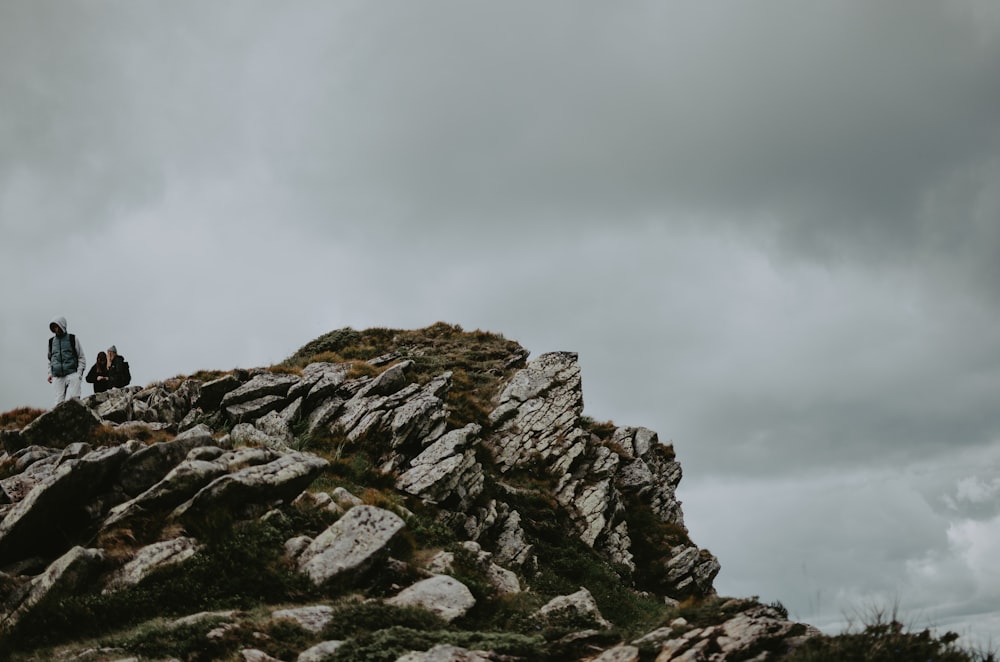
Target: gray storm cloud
770	230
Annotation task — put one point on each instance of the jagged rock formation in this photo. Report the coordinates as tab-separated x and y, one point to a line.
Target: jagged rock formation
90	508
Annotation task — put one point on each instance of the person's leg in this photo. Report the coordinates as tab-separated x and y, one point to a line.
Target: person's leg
73	386
59	384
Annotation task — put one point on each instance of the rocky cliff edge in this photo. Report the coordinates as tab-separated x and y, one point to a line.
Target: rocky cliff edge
390	495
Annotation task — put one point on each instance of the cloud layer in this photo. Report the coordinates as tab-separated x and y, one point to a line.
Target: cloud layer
769	230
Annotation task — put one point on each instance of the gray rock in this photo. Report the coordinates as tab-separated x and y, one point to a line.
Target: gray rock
148	466
170	407
313	618
323	415
65	576
758	628
504	581
447	469
255	655
247	434
69	421
691	570
279	480
576	605
623	653
390	381
422	418
175	488
324	379
351	545
39	524
253	409
117	407
537	411
211	393
259	387
446	653
442	594
320	652
10	441
34	465
150	558
278	424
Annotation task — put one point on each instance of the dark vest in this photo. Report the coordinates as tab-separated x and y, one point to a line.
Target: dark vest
62	355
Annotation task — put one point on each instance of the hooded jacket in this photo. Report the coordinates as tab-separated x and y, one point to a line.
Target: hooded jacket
61	357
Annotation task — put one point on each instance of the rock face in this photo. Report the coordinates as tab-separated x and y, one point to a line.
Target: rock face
81	515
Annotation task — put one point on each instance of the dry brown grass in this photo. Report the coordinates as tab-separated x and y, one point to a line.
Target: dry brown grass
15	419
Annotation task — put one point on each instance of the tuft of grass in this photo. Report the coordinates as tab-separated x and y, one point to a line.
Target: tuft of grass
602	429
16	419
885	639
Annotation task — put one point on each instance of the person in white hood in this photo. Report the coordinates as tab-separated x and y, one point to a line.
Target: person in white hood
66	361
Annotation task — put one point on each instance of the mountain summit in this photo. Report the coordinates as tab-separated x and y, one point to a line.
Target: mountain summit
380	495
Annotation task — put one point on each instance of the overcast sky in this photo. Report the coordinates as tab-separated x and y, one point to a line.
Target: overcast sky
771	231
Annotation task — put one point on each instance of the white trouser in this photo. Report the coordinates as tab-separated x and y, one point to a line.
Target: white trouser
67	387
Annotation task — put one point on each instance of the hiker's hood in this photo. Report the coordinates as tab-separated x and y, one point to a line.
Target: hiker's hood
61	321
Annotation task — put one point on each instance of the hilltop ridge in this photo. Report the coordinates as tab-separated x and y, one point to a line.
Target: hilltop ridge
381	494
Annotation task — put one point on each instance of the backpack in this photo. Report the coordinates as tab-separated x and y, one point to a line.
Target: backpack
126	375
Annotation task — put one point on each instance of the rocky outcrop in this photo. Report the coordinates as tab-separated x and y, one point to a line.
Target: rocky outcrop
759	632
251	446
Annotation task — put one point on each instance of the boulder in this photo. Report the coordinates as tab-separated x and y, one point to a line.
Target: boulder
148	466
389	381
623	653
251	410
278	424
573	607
259	387
282	479
117	407
68	422
211	393
65	576
313	617
447	470
54	513
351	545
442	595
691	571
321	652
502	580
150	558
447	653
175	488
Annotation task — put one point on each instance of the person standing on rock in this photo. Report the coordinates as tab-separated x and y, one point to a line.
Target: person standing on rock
118	372
66	361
